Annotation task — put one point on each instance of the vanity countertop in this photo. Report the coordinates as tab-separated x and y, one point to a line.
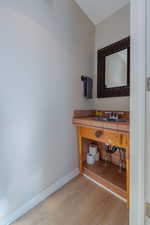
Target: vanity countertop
87	120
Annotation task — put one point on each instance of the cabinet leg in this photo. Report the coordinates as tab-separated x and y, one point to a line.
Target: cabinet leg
80	151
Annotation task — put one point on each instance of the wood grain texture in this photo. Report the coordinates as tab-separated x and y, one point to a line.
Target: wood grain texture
104	132
84	113
108	176
80	146
90	113
106	136
88	122
80	202
111	137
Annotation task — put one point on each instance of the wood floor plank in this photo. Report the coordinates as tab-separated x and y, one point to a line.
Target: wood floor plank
79	202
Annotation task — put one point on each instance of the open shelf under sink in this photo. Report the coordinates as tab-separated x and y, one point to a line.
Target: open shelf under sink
107	175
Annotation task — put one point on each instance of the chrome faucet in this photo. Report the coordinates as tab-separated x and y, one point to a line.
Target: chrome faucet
113	115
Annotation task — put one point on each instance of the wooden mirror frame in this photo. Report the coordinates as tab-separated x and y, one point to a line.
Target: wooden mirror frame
102	91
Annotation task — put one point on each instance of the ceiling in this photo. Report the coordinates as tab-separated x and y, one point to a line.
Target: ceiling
98	10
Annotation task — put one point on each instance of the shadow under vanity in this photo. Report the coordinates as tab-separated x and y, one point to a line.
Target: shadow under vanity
109	133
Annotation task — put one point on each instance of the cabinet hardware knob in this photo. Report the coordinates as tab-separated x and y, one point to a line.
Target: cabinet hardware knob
98	133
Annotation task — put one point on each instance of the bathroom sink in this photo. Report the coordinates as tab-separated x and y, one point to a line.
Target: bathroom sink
107	119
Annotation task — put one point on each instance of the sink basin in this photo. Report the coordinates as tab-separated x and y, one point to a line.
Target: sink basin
107	119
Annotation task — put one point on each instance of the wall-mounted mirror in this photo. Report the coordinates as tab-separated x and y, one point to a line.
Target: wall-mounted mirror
114	70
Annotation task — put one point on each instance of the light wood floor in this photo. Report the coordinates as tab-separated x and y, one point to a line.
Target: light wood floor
80	202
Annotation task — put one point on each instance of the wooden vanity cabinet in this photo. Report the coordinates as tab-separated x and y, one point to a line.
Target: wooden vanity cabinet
116	182
104	135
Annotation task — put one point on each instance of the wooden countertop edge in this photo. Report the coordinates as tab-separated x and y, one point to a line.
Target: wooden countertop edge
86	122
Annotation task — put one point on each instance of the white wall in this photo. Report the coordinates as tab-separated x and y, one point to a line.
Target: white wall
44	47
147	155
148	38
110	30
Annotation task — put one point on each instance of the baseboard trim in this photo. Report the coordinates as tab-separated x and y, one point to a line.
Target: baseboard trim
39	198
